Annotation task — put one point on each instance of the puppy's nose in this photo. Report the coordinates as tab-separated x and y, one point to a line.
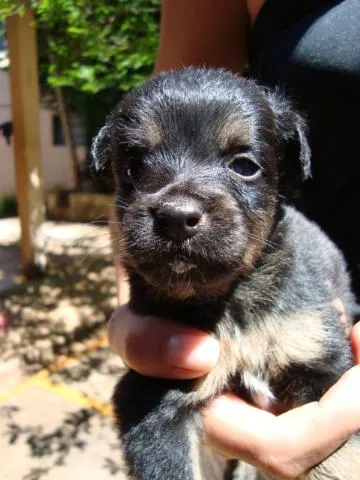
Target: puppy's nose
178	221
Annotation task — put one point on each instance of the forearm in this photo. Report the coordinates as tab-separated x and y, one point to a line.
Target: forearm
203	33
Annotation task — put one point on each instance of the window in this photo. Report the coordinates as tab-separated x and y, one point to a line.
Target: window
3	45
77	131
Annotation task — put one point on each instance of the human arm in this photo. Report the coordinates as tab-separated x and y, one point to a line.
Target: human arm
202	32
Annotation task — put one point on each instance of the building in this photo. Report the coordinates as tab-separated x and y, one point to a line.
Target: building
57	171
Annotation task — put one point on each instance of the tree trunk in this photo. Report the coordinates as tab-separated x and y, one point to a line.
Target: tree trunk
25	104
69	142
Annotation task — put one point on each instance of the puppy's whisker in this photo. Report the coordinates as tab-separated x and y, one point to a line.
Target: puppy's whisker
107	222
92	255
264	241
119	204
119	248
120	207
92	238
86	237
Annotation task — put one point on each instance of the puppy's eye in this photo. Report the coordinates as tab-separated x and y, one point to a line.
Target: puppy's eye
245	167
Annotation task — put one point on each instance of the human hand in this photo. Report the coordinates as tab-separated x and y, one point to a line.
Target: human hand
284	445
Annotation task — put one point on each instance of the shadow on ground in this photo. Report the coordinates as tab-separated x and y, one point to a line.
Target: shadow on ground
52	426
56	314
55	453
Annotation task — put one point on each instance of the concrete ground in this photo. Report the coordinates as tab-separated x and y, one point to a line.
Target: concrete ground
55	420
55	427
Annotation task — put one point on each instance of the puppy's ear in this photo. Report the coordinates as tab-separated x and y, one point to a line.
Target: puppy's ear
295	150
101	149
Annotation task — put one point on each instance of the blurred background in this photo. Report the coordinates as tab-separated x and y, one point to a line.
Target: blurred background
63	65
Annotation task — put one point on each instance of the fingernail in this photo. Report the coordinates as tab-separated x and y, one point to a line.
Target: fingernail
193	352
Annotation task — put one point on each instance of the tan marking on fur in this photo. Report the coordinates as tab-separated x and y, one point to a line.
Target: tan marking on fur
181	291
252	252
154	134
228	364
234	132
149	135
280	341
265	350
256	240
344	464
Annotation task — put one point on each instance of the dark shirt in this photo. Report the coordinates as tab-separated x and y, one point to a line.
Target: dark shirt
311	49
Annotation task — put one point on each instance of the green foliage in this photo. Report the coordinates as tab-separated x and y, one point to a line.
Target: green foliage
7	7
94	49
94	46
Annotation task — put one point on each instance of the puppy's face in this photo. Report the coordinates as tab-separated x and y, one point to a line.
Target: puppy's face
197	161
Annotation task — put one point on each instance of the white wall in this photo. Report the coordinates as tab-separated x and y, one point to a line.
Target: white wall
56	165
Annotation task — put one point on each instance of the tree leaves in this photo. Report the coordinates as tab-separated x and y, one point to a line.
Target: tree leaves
95	50
97	45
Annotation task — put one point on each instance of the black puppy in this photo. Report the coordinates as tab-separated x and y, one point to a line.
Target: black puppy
203	161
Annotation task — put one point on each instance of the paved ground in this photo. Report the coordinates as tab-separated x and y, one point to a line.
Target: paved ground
55	427
55	422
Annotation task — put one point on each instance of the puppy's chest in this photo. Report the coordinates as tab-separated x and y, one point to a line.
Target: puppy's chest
260	354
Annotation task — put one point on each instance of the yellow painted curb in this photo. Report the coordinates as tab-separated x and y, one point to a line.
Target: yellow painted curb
22	387
76	396
42	379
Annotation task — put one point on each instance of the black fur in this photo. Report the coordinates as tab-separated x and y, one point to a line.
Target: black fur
253	264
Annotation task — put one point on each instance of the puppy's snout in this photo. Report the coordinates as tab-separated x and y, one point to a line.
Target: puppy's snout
177	220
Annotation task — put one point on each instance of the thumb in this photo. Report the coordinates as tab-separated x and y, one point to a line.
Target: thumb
161	348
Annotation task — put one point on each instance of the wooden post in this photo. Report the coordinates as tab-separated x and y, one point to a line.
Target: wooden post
25	96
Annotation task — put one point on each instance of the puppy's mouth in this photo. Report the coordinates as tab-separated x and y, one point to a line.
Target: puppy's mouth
179	276
168	267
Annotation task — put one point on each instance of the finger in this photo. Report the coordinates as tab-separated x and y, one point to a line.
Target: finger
293	442
236	439
355	341
161	348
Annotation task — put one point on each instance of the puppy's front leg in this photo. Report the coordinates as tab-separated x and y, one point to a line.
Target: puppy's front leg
159	420
158	428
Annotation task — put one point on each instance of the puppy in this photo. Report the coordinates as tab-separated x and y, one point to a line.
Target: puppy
203	163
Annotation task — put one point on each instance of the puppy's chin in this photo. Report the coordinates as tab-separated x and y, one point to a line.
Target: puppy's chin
180	278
